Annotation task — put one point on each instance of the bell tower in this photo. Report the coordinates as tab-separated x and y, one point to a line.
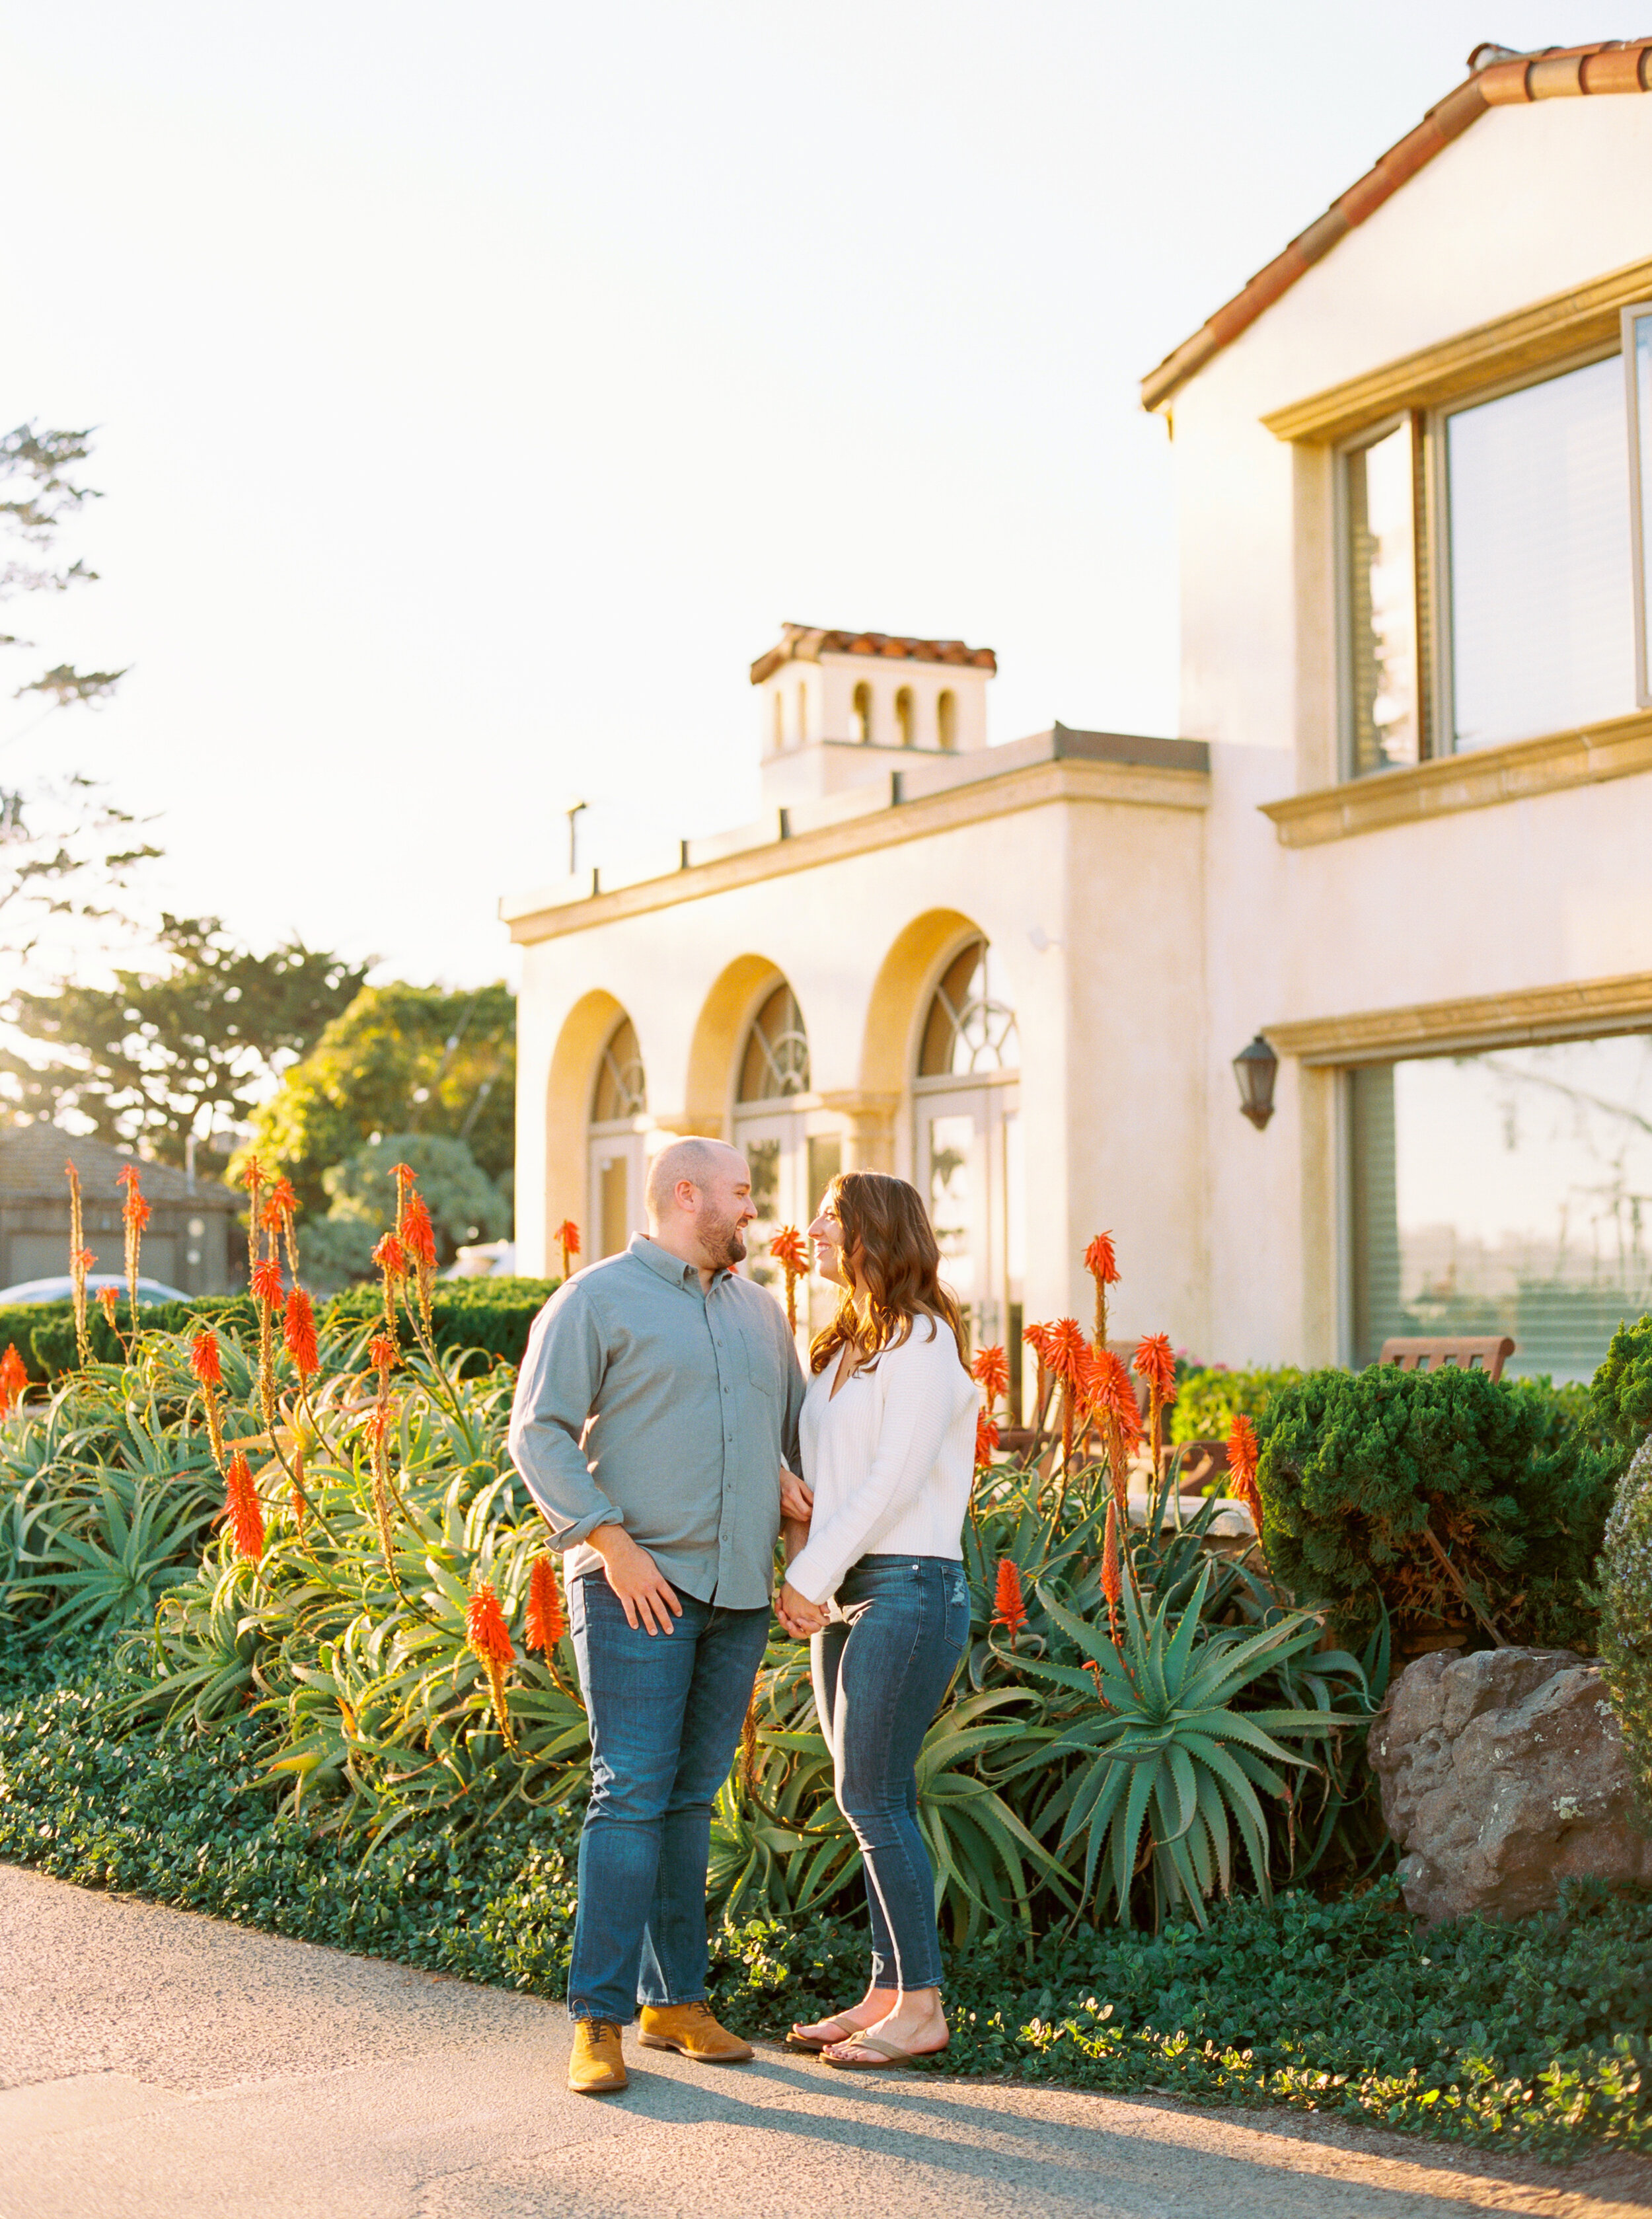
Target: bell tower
839	709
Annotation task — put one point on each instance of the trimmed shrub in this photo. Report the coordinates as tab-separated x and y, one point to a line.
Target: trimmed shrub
1434	1495
1620	1394
494	1316
491	1315
1626	1613
51	1333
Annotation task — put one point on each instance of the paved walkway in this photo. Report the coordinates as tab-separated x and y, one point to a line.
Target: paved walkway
158	2066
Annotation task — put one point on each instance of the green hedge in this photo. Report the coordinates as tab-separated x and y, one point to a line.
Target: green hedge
491	1315
1208	1398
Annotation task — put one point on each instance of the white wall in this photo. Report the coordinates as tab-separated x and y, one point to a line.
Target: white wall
1530	200
1107	1017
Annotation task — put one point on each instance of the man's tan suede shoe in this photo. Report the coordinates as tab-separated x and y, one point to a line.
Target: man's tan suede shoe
690	2030
596	2067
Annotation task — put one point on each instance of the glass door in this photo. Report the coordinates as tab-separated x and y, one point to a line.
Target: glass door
970	1174
615	1209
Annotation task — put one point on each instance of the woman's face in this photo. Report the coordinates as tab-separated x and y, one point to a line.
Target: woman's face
826	1237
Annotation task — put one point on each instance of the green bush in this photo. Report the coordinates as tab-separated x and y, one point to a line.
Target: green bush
1620	1393
1358	1468
1626	1615
1208	1398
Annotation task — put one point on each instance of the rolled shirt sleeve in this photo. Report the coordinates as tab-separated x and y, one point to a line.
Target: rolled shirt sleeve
556	1390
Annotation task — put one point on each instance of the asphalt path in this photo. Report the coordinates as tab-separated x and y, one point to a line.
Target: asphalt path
154	2064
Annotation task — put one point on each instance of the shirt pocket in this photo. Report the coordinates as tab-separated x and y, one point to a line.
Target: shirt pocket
762	1368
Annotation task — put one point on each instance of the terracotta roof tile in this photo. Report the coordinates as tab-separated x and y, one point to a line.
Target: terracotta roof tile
808	642
1497	79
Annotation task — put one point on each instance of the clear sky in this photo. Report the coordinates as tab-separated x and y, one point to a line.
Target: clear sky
480	388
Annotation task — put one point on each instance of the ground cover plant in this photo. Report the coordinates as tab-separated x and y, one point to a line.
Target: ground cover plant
279	1639
1536	2034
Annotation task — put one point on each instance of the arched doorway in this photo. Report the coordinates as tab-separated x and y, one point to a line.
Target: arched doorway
778	1127
967	1150
619	1101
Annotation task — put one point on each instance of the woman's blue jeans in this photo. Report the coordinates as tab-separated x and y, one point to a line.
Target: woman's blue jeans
880	1669
665	1710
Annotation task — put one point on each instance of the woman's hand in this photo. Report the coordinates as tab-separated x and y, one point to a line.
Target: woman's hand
800	1617
797	1501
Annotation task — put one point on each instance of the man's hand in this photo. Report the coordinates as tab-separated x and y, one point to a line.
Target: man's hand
797	1501
645	1595
797	1613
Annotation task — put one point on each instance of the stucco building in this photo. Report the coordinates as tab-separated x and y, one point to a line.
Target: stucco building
1403	839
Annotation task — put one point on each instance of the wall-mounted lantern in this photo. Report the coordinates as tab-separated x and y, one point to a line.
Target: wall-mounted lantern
1255	1068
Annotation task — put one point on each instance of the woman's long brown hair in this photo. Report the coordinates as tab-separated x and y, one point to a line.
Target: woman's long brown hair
888	1245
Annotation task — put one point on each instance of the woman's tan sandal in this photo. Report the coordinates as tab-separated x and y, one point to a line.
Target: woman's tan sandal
887	2055
807	2042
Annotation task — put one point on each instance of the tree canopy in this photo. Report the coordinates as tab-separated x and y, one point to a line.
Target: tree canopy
163	1053
401	1059
65	850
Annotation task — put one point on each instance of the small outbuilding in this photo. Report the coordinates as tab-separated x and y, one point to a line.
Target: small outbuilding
189	1242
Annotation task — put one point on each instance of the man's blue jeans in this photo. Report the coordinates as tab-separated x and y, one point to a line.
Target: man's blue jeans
665	1712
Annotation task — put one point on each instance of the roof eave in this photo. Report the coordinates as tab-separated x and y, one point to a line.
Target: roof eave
1556	74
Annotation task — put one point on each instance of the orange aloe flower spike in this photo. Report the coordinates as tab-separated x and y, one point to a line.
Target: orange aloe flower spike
1100	1260
991	1370
1241	1466
14	1379
383	1353
298	1332
546	1623
391	1256
986	1440
1008	1605
418	1234
204	1360
1155	1360
244	1510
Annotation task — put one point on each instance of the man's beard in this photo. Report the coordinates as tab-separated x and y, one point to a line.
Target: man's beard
722	1241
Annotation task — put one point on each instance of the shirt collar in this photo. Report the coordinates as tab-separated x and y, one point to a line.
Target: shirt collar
670	1268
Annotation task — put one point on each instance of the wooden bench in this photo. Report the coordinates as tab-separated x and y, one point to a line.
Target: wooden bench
1487	1353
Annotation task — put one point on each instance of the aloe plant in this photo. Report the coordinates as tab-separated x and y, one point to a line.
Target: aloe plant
1167	1766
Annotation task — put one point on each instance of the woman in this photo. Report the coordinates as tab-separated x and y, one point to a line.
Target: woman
888	1433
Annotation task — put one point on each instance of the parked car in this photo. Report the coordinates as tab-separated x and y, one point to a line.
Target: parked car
59	1290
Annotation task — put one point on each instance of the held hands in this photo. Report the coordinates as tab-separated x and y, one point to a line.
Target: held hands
797	1501
646	1596
797	1613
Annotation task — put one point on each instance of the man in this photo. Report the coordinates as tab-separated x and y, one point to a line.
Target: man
657	1402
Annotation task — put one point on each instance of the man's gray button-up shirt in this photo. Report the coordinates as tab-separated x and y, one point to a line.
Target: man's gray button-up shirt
646	1403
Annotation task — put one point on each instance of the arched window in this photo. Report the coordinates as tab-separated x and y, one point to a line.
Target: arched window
862	713
779	721
776	1061
905	717
946	719
621	1089
619	1101
970	1028
802	713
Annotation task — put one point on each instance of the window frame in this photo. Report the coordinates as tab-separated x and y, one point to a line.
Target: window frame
1640	446
1432	541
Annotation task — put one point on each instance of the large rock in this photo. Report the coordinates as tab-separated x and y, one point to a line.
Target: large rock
1503	1774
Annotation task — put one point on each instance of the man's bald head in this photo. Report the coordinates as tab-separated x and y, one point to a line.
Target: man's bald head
700	1204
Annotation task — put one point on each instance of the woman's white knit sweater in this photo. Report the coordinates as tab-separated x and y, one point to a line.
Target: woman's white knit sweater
889	1456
